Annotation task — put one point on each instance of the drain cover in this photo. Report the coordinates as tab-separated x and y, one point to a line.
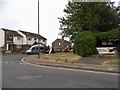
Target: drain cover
27	77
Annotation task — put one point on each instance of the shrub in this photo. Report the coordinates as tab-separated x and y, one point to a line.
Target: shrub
85	43
74	49
114	33
118	49
96	52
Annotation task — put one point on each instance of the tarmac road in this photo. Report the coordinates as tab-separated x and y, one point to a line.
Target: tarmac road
17	74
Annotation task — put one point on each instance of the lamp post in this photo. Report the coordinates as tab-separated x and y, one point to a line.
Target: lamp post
38	33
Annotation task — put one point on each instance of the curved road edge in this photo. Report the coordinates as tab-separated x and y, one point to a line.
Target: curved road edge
82	67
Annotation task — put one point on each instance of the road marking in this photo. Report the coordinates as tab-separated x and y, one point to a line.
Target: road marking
69	69
23	63
27	77
6	62
9	62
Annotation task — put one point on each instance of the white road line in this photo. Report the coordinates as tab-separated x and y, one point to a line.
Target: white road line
9	62
6	62
69	69
23	63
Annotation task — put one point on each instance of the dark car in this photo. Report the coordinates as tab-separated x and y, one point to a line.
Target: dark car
66	50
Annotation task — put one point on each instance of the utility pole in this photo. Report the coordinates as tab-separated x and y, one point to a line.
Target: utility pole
38	33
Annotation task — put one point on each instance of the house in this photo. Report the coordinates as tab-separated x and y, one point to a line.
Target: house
31	38
18	40
10	40
59	44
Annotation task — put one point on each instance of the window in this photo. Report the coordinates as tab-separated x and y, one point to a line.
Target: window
59	43
18	38
41	40
35	39
29	38
18	46
44	40
33	48
10	37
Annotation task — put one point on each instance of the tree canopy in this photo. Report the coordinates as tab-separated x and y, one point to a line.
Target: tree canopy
90	16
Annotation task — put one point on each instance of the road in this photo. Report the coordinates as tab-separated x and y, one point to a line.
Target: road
17	74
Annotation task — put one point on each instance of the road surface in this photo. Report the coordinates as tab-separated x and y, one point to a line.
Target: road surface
17	74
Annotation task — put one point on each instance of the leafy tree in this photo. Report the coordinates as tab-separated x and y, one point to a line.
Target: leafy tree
90	16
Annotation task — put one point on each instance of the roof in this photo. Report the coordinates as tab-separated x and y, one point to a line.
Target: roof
61	39
32	34
11	32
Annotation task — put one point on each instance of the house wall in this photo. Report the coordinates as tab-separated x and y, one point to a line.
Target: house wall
30	42
44	42
57	44
2	38
24	40
16	41
33	40
61	44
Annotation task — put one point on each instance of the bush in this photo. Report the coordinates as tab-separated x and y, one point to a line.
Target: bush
96	52
85	43
118	49
114	33
74	49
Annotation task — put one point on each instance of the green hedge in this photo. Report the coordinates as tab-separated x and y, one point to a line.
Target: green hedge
114	33
85	43
118	49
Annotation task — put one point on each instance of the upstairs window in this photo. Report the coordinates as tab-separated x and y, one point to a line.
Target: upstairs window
29	38
18	38
44	40
10	37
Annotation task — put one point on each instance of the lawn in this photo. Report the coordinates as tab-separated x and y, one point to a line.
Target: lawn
61	57
114	62
68	57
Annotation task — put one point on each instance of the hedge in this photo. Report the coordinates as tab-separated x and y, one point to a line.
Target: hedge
118	49
114	33
85	43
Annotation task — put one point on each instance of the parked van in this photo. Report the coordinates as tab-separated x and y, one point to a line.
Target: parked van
35	48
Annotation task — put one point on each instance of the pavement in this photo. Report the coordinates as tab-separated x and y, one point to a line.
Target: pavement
89	63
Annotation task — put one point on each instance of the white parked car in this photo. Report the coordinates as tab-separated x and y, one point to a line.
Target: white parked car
35	48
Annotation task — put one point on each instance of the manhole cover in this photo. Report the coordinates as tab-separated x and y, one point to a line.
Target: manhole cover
27	77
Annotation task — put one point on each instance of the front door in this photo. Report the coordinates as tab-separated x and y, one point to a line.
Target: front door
11	47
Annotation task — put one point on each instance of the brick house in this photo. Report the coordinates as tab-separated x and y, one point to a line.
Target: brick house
10	40
59	44
18	40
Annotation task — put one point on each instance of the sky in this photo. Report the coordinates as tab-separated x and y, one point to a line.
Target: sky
23	15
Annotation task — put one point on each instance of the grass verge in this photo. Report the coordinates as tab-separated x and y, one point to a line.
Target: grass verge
114	62
67	57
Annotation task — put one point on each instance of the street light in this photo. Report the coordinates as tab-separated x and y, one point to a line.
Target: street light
38	33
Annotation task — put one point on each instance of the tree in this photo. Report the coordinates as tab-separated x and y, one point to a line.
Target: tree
90	16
